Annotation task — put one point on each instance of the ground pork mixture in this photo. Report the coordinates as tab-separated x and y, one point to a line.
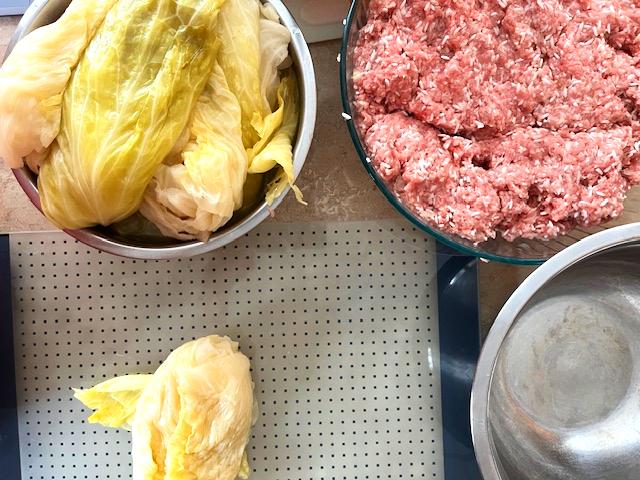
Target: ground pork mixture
511	116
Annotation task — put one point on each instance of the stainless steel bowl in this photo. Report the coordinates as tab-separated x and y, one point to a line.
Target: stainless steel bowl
43	12
557	389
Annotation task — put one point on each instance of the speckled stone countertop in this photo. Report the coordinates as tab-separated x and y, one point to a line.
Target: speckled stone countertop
333	181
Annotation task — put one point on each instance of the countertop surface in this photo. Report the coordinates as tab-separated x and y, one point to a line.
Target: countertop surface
333	181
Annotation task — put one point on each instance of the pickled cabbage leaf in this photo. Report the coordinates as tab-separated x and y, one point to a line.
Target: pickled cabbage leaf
239	31
114	400
254	45
194	417
279	150
252	194
190	200
274	51
270	125
190	419
127	103
35	75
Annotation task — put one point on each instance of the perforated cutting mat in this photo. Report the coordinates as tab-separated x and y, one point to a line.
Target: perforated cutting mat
339	321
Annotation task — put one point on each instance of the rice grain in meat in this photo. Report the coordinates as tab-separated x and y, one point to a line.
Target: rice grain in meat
511	116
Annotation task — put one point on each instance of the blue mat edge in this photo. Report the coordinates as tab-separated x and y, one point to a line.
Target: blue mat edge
458	320
9	438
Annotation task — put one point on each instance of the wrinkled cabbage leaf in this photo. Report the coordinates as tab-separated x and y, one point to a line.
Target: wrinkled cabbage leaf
127	103
189	420
201	427
239	31
34	76
192	199
279	150
270	125
115	400
274	51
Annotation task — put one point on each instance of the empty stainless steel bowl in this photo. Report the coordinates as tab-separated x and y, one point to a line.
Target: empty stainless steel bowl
557	390
43	12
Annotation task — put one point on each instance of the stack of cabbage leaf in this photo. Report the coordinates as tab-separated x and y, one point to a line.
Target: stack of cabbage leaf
117	112
128	100
192	199
34	76
191	419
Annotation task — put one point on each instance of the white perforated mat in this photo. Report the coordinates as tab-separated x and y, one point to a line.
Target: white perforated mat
339	321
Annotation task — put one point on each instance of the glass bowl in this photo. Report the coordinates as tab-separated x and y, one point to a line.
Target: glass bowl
521	251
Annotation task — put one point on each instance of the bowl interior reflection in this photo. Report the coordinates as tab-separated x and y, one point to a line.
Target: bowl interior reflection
564	402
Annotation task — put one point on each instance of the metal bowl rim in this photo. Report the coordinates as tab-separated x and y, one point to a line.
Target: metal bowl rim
300	152
572	255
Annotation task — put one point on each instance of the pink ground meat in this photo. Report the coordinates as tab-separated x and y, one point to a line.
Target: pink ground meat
511	116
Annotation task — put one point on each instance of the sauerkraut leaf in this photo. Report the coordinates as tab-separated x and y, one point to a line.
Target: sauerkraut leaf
245	469
115	400
274	51
189	420
194	198
279	150
189	198
34	76
195	415
128	101
239	31
270	125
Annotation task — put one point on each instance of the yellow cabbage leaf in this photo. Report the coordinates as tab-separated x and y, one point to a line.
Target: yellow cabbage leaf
191	419
245	469
274	52
270	125
239	31
278	150
192	199
195	415
34	76
114	400
127	103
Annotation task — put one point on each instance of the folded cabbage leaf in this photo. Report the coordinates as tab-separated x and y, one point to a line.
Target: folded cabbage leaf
114	400
270	126
239	31
127	103
274	52
279	150
190	419
34	77
189	200
195	415
190	195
